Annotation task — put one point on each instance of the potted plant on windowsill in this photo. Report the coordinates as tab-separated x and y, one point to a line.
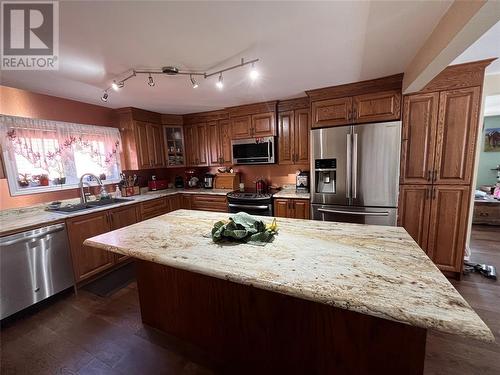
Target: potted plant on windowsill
23	180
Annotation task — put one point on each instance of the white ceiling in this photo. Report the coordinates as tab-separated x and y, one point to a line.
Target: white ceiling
302	45
484	48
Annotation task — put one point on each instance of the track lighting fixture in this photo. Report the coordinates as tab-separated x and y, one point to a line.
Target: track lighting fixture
117	85
173	71
151	82
220	83
254	73
193	81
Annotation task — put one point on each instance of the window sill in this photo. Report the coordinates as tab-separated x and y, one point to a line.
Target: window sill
56	188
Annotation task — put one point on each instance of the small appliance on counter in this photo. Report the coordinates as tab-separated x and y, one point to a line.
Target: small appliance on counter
208	181
302	185
155	184
191	179
178	182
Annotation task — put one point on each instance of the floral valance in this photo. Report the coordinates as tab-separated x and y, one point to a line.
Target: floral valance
59	149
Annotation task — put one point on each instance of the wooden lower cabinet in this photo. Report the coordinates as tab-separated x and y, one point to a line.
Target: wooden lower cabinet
186	201
174	202
292	208
122	217
436	217
448	226
208	202
153	208
88	261
414	211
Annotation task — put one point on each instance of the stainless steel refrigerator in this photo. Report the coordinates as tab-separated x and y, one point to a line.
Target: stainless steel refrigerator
355	173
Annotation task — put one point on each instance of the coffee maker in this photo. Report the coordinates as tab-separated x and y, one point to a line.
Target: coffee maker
208	181
302	182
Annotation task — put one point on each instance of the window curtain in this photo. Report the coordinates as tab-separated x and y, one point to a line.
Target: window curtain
59	148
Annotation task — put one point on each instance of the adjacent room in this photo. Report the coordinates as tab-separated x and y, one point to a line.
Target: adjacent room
250	187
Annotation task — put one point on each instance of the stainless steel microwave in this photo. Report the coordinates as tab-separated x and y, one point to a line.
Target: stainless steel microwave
253	150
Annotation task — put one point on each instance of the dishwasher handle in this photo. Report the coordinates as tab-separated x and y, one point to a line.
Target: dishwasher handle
37	233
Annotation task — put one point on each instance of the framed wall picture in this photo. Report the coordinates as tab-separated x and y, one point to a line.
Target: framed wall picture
492	140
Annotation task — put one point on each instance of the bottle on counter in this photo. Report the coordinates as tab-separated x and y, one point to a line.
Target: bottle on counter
118	192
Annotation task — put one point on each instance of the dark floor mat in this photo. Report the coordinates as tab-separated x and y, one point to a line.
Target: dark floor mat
113	281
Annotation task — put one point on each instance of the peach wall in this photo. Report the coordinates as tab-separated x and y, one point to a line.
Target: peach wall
15	102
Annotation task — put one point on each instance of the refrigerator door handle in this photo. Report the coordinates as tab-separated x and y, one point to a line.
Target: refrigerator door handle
381	213
354	166
348	167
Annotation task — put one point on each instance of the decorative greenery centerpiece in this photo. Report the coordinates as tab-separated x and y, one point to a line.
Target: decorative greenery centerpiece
243	227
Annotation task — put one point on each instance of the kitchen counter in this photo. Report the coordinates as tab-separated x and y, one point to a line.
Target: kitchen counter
291	194
373	270
16	219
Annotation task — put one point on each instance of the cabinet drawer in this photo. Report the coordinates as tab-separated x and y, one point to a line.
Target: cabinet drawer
208	202
154	208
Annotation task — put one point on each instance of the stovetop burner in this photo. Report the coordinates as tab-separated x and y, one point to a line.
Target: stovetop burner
248	195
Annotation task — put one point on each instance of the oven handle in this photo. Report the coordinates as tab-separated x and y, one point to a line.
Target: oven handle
233	205
382	213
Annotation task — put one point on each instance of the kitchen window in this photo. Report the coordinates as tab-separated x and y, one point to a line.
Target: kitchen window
42	155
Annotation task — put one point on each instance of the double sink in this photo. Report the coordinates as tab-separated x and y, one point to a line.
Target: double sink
69	208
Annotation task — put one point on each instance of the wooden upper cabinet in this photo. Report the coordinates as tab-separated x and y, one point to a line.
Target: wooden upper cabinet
448	226
225	142
88	261
414	211
141	134
214	153
332	112
263	125
149	143
202	143
241	127
286	137
420	113
379	106
301	132
456	136
293	137
155	143
189	145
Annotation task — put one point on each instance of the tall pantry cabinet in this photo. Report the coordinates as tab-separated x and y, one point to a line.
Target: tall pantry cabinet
439	137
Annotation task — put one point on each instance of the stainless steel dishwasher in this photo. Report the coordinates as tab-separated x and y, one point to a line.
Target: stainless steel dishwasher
34	265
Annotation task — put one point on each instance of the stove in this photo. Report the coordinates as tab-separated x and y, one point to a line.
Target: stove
250	202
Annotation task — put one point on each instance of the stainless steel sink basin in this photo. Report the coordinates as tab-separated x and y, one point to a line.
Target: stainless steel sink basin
89	205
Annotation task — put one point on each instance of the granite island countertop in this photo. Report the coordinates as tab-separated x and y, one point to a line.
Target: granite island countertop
16	219
373	270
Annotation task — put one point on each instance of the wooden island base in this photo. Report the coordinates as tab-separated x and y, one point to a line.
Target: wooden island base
246	330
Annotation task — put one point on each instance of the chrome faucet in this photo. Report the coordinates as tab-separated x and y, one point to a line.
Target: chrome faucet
83	197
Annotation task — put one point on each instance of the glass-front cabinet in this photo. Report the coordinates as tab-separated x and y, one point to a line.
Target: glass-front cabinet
174	146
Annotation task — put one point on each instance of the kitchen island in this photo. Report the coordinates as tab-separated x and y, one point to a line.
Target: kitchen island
323	297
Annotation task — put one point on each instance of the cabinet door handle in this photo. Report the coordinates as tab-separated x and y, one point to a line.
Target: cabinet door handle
433	193
429	174
434	175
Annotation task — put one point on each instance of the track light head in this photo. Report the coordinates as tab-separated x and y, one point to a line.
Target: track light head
117	85
104	96
254	73
220	83
193	82
151	81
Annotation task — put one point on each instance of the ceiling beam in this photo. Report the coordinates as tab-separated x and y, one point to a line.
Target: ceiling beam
464	23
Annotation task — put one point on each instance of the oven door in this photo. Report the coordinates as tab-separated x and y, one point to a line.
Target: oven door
253	151
252	209
352	214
